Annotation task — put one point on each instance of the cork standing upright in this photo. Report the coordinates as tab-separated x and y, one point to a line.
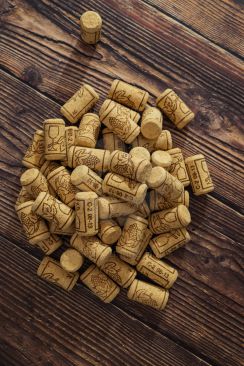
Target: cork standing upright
70	139
34	156
88	131
54	137
111	141
60	181
91	25
86	207
178	167
151	123
34	182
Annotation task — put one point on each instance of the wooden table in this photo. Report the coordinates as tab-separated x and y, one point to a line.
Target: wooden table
192	46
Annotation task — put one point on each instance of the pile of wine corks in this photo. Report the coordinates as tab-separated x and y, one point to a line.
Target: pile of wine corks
124	207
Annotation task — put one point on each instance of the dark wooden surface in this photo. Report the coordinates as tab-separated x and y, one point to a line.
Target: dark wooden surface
194	47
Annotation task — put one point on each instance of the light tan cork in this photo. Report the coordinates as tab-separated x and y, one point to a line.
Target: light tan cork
158	202
54	139
49	245
34	182
111	141
23	197
178	167
135	116
34	156
88	131
140	153
70	139
164	244
86	208
95	159
119	271
71	260
161	158
48	166
199	175
59	179
110	207
69	231
109	231
151	123
91	25
86	180
163	142
143	209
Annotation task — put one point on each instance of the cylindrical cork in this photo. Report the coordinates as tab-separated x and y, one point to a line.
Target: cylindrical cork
71	260
140	153
109	231
91	247
117	118
110	207
132	236
145	241
49	245
159	202
60	181
166	243
174	108
119	271
135	116
143	209
148	294
95	159
80	103
53	210
126	189
86	180
88	131
151	123
163	142
51	271
34	156
34	182
128	95
86	207
157	270
178	168
54	138
100	284
167	220
23	197
69	231
127	166
111	141
199	175
48	166
70	140
34	226
91	25
162	158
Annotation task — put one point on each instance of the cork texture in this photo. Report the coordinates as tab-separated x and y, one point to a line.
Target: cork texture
34	156
165	244
54	139
151	123
86	180
86	207
178	167
88	131
95	159
119	271
199	175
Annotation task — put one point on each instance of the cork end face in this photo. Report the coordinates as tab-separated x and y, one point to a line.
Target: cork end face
184	215
92	91
70	155
161	158
78	174
151	131
140	153
132	289
164	303
157	177
111	235
29	176
91	21
105	108
71	260
107	252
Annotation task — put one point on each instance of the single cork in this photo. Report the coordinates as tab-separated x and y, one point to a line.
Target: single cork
51	271
157	270
143	209
88	131
110	207
131	240
126	189
158	202
127	166
80	103
48	166
23	197
100	284
135	116
34	156
174	108
109	231
34	182
162	159
86	207
86	180
71	260
163	142
119	271
167	220
128	95
117	118
165	244
151	123
70	140
69	231
54	138
34	226
53	210
199	175
178	167
91	247
95	159
144	244
165	184
49	245
59	179
148	294
91	25
140	152
111	141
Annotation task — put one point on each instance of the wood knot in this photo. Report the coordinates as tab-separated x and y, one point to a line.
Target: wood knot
32	76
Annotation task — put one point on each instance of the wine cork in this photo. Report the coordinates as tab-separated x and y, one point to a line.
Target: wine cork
157	270
69	231
71	260
143	209
127	166
119	271
95	159
53	210
166	243
167	220
162	158
60	181
51	271
159	202
126	189
178	168
111	141
48	166
70	140
165	184
86	180
54	138
34	182
117	119
100	284
91	25
132	236
23	197
148	294
135	116
128	95
80	103
109	231
86	207
199	175
163	142
34	156
145	241
88	131
174	108
49	245
151	123
110	207
91	247
140	153
34	226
